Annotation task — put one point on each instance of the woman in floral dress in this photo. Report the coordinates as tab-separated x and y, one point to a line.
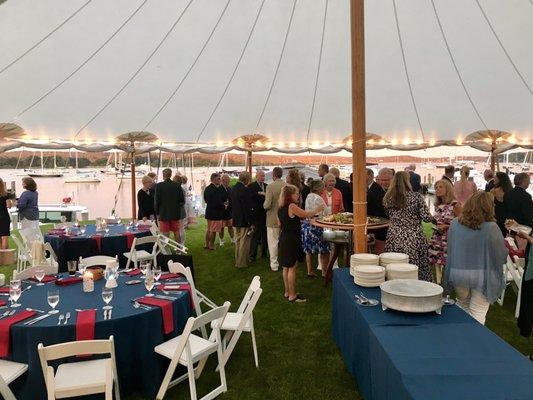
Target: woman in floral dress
446	209
407	210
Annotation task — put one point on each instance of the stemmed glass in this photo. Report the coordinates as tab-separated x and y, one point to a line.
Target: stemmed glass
149	283
107	296
145	266
39	275
83	229
157	274
53	300
14	295
82	267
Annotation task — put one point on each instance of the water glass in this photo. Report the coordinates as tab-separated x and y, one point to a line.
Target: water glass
82	267
15	283
14	295
39	275
107	296
157	274
72	266
109	273
145	266
53	300
149	283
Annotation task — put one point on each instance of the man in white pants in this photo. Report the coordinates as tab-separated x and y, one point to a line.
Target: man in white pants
271	206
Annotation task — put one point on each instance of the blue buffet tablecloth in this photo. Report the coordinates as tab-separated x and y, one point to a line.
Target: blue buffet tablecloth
136	333
73	247
395	355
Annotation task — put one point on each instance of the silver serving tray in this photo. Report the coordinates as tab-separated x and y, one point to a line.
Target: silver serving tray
412	296
336	236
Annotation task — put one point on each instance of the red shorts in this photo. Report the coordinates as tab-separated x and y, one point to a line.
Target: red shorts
169	226
214	225
228	223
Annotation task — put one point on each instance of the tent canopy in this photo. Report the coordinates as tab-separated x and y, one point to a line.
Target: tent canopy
200	73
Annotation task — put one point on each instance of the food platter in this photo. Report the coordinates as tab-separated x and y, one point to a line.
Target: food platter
345	221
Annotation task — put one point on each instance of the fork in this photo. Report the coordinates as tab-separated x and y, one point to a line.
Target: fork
66	318
61	316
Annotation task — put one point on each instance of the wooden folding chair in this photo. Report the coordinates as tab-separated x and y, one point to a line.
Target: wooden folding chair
9	371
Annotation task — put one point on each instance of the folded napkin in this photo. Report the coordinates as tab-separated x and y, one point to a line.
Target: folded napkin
169	275
59	232
129	239
180	288
46	279
3	303
4	289
5	328
166	307
98	240
134	272
85	324
69	281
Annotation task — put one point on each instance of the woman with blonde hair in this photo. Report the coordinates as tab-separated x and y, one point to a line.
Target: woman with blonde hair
407	210
5	203
290	243
464	187
332	196
145	199
446	209
476	253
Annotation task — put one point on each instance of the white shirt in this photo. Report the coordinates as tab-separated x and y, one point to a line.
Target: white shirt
313	201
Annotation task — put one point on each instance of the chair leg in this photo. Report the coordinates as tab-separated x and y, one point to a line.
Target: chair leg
192	380
200	367
254	346
221	370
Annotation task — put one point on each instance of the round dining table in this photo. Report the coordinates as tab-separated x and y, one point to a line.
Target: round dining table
73	246
136	332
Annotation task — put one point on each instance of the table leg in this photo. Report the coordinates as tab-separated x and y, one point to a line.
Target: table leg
333	258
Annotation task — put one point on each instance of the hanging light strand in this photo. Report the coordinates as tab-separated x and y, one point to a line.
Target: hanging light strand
277	67
513	64
44	38
407	76
232	74
137	72
456	68
317	77
177	88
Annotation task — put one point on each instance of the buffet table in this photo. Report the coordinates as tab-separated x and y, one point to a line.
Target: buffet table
136	332
117	242
395	355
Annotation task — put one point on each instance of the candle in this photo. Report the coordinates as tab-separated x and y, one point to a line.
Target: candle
88	282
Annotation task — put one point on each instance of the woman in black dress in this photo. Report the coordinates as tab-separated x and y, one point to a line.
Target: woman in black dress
5	203
290	243
502	185
145	199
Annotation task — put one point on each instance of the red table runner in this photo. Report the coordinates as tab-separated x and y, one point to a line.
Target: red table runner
5	328
85	324
166	307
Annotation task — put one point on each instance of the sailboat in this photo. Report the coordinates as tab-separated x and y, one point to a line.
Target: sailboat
82	177
46	173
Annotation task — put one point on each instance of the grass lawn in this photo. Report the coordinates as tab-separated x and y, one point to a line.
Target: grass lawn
297	357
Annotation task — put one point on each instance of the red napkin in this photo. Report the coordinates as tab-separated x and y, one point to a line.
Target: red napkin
4	289
85	325
166	311
69	281
98	240
5	327
182	287
46	279
169	275
129	237
3	303
134	272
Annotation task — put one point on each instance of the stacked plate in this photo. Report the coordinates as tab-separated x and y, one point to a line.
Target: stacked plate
369	275
390	258
362	259
401	271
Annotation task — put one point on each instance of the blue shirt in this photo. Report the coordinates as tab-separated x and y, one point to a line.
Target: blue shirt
28	205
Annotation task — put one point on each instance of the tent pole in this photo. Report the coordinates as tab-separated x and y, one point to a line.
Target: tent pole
249	161
357	17
492	159
133	189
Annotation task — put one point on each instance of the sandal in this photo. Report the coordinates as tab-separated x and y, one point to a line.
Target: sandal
298	299
312	276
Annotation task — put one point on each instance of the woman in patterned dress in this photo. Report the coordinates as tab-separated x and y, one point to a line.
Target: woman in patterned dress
446	209
312	235
407	210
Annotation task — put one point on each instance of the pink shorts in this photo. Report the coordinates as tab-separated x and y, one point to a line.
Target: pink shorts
227	223
169	226
214	226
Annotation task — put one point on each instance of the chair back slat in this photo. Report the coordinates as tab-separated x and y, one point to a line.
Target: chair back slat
28	273
69	349
145	240
212	315
254	285
96	260
179	268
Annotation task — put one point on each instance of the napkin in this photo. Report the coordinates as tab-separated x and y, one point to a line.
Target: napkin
134	272
46	279
129	239
181	287
166	311
69	281
85	324
5	327
98	240
4	289
169	275
3	303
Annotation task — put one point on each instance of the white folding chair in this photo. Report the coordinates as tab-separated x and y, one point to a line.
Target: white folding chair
96	260
30	272
23	254
9	371
188	349
82	377
136	256
30	235
167	244
241	321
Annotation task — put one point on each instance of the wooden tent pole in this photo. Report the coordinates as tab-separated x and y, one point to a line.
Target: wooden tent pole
249	161
357	18
133	189
492	158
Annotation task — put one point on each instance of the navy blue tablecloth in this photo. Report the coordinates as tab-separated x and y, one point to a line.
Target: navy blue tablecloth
136	333
395	355
73	247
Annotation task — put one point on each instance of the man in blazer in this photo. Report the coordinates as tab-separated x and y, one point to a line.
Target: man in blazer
518	205
345	188
259	237
168	202
227	221
488	175
216	201
414	178
374	199
241	199
449	171
271	206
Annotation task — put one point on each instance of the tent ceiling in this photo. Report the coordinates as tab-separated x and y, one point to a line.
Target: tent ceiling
221	98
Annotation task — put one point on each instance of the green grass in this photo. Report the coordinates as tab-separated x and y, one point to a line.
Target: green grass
297	357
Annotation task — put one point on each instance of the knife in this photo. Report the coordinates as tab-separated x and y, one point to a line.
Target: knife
33	321
159	296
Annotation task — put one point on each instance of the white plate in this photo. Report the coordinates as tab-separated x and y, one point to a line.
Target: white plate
370	269
411	288
367	284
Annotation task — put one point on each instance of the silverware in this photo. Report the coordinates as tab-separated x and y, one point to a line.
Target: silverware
7	314
158	296
66	318
109	314
61	316
40	318
34	309
26	288
139	305
105	315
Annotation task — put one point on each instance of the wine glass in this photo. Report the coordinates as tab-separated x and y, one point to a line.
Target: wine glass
82	267
39	275
107	296
157	274
145	266
15	283
149	283
14	295
83	229
53	300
